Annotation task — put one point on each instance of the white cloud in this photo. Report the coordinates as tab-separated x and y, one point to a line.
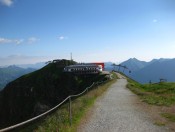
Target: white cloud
18	41
32	40
62	37
3	41
10	41
155	20
6	2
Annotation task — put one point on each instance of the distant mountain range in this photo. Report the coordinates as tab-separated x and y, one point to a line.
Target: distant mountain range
153	71
10	73
141	71
134	65
34	66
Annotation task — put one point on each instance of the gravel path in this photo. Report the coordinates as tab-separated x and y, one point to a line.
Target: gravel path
117	111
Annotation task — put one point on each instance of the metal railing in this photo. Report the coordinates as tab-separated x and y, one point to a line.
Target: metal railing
47	112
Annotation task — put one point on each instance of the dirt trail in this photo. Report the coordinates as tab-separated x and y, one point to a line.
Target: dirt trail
118	111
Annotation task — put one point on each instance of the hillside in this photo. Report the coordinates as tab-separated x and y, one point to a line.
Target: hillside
37	92
10	73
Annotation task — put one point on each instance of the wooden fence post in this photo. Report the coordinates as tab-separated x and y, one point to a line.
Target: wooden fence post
70	111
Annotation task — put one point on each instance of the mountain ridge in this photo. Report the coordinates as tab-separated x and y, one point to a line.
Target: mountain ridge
160	69
10	73
134	64
151	71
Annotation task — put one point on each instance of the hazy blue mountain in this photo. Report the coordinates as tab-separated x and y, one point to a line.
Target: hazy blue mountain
160	68
134	64
159	60
34	66
108	66
10	73
154	70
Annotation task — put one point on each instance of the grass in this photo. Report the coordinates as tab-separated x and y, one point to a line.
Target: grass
161	100
158	123
169	116
162	94
59	120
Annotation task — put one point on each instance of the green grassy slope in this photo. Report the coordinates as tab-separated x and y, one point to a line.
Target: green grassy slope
160	94
39	91
59	120
156	94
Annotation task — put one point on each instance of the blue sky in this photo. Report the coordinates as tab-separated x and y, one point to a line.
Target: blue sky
93	30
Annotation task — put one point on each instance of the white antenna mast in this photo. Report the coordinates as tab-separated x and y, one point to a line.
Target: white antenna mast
71	56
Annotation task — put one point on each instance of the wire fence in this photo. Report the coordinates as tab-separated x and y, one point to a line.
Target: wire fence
54	108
